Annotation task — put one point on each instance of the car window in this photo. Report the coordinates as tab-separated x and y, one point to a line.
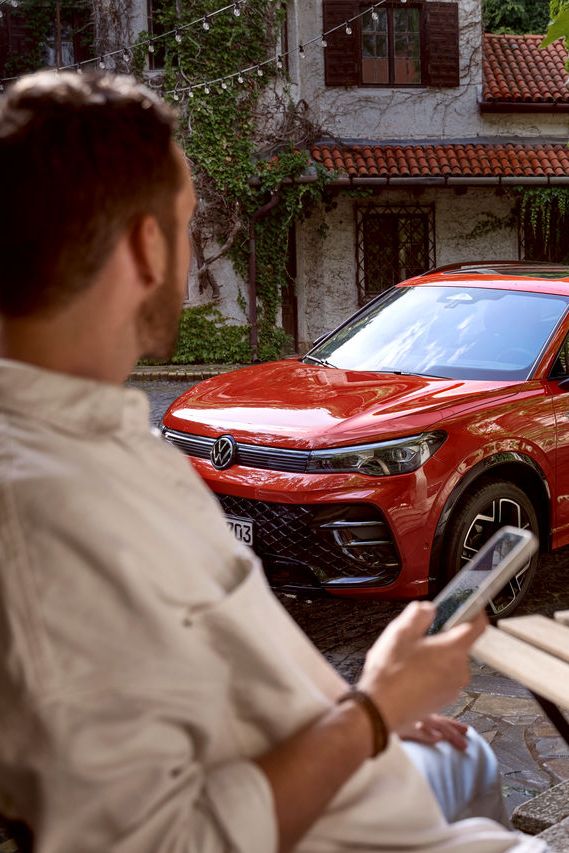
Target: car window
560	367
455	332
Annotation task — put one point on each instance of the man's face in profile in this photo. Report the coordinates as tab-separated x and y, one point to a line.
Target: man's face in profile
160	315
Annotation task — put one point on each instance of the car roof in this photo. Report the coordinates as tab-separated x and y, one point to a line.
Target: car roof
503	275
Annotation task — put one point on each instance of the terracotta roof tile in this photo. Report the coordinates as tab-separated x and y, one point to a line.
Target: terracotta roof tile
464	160
516	70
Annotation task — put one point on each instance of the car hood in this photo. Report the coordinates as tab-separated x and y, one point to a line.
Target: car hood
290	404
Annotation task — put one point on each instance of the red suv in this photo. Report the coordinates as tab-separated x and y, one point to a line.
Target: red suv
379	463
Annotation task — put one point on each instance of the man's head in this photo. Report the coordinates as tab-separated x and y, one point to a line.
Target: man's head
86	160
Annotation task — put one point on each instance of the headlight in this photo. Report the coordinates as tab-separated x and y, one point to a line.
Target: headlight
383	459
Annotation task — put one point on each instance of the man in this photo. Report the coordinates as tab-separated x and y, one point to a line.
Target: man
153	694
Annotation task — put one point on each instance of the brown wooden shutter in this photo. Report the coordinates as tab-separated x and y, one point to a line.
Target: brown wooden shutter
442	35
342	55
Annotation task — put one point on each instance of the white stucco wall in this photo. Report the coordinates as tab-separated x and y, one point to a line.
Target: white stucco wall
326	285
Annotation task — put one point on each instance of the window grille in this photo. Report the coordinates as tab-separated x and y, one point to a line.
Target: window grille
392	243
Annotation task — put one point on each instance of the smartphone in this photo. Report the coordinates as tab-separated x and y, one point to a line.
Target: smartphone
505	554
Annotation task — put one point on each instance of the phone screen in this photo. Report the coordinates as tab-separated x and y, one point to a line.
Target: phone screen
471	576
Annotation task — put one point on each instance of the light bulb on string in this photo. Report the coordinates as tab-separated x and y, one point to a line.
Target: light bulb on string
151	48
14	4
190	93
224	85
102	65
240	78
279	62
206	90
126	56
237	9
349	30
260	72
206	24
323	42
78	69
178	37
302	52
374	14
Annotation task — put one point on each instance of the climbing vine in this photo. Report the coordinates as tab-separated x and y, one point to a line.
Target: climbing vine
543	209
246	142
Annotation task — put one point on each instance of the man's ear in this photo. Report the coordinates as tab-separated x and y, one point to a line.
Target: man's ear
149	250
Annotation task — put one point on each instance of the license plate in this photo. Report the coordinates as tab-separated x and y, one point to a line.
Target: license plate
241	528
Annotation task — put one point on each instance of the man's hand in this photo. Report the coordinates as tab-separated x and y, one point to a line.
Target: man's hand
410	675
435	728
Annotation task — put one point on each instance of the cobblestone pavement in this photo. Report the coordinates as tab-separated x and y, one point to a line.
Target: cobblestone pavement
532	756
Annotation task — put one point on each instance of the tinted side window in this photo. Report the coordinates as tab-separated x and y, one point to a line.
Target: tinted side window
560	368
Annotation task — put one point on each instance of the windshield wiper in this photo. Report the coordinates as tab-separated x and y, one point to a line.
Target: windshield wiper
413	373
321	361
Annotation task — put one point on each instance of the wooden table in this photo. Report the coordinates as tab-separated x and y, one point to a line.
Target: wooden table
533	650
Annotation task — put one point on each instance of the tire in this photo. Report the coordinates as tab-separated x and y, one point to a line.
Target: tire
475	520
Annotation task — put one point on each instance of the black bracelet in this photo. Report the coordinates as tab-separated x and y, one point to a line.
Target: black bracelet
379	728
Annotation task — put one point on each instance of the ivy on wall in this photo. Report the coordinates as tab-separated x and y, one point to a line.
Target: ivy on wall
546	211
245	142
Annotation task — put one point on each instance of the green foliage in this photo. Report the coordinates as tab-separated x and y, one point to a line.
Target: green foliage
205	337
559	27
516	16
220	141
540	206
555	7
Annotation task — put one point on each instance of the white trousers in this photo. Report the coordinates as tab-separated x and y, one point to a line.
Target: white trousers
466	784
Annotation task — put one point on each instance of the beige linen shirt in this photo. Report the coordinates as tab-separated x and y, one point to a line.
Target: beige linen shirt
143	660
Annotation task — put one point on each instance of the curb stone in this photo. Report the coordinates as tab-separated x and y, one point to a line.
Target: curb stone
189	372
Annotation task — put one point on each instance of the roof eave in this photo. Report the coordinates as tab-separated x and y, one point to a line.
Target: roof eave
523	107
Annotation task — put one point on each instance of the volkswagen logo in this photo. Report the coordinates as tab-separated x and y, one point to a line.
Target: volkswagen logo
223	452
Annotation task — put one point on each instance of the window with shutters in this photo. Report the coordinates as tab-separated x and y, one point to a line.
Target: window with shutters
415	43
393	243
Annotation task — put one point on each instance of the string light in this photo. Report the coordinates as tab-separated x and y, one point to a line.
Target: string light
237	9
205	22
374	15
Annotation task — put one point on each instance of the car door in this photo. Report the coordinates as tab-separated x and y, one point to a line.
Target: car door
558	387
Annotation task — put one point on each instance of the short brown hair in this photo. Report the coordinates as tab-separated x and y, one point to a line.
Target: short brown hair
83	155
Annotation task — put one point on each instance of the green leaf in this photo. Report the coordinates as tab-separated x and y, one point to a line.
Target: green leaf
559	28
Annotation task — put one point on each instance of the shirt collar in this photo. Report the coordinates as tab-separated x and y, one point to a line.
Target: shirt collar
70	403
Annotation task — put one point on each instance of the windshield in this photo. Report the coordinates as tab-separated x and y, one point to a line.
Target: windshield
454	332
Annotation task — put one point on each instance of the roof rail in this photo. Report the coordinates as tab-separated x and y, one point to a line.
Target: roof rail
473	264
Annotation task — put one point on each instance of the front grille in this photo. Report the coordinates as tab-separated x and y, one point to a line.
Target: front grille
248	455
331	545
